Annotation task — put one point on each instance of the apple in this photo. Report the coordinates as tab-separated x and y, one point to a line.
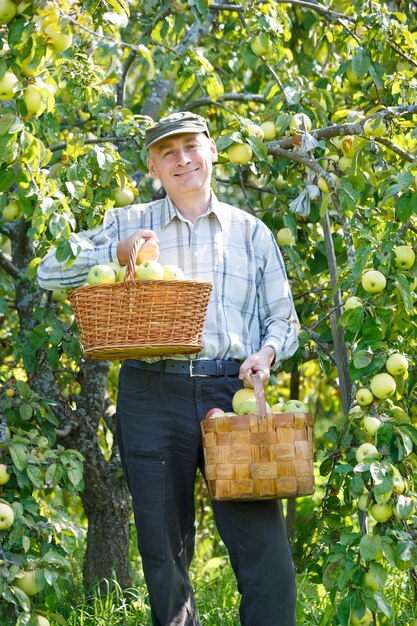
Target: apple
150	270
322	185
351	76
254	130
344	163
120	276
60	40
401	416
397	364
300	121
101	274
116	267
261	45
248	406
365	620
375	127
399	482
240	395
240	153
41	620
27	582
404	257
6	516
285	237
347	146
173	272
215	412
366	451
12	211
353	303
148	251
123	196
7	11
381	512
383	385
371	424
269	130
294	406
4	474
364	396
370	581
277	407
373	281
363	501
7	86
32	97
230	413
59	295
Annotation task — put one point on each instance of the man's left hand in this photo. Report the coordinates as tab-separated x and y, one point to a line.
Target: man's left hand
258	363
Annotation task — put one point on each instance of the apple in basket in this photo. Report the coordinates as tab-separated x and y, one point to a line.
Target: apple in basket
215	412
294	406
173	272
150	270
101	274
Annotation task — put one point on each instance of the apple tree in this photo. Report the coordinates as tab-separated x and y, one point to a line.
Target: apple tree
313	110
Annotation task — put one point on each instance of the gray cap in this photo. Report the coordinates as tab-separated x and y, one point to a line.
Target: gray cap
174	124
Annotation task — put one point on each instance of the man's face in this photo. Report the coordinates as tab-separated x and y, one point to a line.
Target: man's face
183	163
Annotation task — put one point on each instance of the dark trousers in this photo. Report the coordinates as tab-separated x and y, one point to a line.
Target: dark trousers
159	437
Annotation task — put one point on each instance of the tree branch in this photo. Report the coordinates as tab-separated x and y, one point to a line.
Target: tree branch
9	267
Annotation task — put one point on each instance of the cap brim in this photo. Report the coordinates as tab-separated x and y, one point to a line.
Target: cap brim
177	131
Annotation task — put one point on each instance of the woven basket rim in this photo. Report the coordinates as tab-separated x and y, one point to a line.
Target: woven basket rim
136	283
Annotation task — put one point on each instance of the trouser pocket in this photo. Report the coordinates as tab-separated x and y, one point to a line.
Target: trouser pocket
147	481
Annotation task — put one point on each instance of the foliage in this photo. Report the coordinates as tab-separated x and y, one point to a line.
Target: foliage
102	72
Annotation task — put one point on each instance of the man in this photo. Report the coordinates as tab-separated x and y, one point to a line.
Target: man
251	324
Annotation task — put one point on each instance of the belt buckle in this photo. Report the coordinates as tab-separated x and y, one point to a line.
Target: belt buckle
192	375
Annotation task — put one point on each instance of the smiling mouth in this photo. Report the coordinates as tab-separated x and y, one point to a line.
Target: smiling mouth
187	172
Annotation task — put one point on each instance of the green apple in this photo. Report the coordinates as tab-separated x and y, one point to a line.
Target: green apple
4	474
353	303
254	130
322	185
370	581
371	424
59	295
215	412
381	512
366	451
344	163
364	620
261	45
399	482
375	127
277	407
240	396
373	281
364	396
12	211
8	86
101	274
383	386
59	39
32	97
150	270
269	130
397	364
116	267
401	416
300	121
27	582
248	406
240	153
363	501
294	406
173	272
404	257
6	516
124	196
41	620
285	237
7	11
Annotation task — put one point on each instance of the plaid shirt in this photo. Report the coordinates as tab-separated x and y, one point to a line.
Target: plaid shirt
251	303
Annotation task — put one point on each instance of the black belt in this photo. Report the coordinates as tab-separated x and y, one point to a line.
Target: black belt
190	367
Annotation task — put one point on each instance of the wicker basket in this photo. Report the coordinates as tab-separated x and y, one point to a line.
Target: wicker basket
138	319
257	457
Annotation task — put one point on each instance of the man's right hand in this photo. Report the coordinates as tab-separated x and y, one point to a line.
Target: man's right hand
125	246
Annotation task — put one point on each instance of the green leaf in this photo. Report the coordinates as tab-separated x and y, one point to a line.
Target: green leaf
403	287
214	86
23	389
35	475
370	546
25	411
361	62
18	452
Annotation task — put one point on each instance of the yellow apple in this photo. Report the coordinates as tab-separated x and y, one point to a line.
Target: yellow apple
240	396
373	281
261	45
353	303
301	121
269	130
404	257
285	237
397	364
277	407
41	620
371	424
254	130
7	11
101	274
4	474
383	386
27	582
150	270
364	620
124	197
364	396
375	127
173	272
59	39
366	451
381	512
240	153
8	86
32	97
6	516
12	211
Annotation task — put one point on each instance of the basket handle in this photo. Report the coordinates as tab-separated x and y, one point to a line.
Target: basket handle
131	264
259	395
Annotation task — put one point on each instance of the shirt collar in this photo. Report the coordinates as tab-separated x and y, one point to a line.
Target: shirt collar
170	212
